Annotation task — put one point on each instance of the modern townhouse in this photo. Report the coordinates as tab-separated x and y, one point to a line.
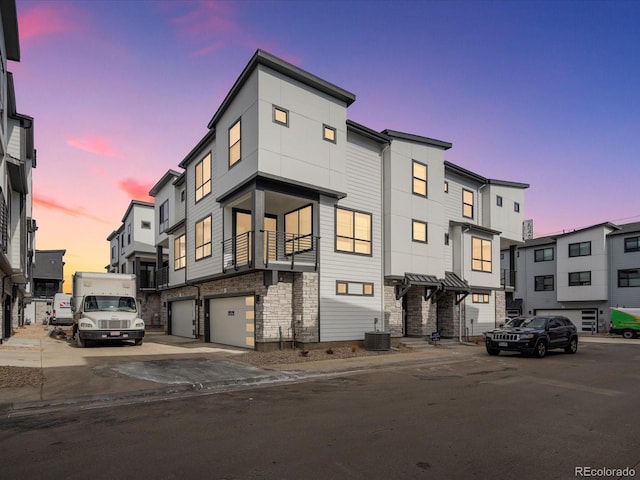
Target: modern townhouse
580	274
290	222
133	250
17	227
47	279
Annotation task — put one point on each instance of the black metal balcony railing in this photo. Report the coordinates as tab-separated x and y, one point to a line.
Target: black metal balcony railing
508	278
162	277
279	248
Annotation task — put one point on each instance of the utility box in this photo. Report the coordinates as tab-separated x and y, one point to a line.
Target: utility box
377	341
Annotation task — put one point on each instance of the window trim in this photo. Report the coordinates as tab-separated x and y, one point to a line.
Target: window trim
580	283
580	245
205	182
480	298
195	240
423	180
326	127
543	279
346	284
415	222
275	118
627	248
543	259
482	260
629	279
239	143
499	200
183	257
472	204
445	186
163	223
353	239
516	207
289	243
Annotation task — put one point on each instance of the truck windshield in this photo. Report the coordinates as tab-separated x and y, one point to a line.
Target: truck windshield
109	303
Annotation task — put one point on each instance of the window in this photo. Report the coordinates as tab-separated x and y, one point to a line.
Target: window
122	241
480	298
467	203
329	133
516	207
632	244
446	239
480	254
577	279
353	231
145	225
281	116
629	278
543	254
446	187
354	288
234	144
164	216
182	196
544	283
498	200
298	230
203	178
113	252
419	178
203	238
129	234
179	253
419	231
581	249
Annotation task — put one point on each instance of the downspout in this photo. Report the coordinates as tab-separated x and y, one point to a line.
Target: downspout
382	237
460	319
4	277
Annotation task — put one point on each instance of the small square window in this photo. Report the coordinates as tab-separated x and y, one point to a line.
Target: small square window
145	225
419	231
281	116
499	200
329	133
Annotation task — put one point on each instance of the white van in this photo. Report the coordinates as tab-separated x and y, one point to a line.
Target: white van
61	313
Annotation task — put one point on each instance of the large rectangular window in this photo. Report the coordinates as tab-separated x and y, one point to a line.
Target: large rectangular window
632	244
629	278
234	144
419	231
298	227
419	178
203	177
467	203
203	238
353	231
163	223
544	283
179	253
581	249
543	254
578	279
480	254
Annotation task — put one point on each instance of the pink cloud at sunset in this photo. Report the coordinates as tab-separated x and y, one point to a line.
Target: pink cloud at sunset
50	204
92	144
45	19
135	189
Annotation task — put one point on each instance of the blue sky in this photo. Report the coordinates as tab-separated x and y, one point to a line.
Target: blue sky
538	92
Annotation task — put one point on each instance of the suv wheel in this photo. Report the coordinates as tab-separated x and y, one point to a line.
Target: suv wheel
573	345
493	351
541	349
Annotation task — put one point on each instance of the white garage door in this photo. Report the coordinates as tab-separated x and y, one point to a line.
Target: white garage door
232	321
183	319
585	319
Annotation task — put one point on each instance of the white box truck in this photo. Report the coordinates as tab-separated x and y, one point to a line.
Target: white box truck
105	308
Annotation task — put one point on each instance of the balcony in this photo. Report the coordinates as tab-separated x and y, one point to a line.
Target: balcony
280	251
162	278
508	279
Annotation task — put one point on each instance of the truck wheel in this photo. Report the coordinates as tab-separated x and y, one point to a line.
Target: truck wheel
79	342
629	334
541	349
573	345
138	341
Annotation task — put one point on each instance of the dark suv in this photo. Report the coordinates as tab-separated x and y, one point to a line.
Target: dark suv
534	337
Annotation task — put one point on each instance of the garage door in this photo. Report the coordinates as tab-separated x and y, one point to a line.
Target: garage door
183	318
585	320
232	321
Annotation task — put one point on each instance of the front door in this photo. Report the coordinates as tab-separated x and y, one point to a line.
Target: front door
243	238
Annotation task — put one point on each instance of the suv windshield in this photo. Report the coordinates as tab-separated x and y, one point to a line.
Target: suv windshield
109	303
535	322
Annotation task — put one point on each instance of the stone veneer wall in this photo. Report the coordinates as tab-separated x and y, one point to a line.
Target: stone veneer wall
501	306
449	315
421	314
276	309
150	308
392	311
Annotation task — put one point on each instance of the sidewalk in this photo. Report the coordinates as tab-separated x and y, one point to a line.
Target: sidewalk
164	365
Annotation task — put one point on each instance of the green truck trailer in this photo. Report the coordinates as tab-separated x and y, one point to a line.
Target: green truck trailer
625	322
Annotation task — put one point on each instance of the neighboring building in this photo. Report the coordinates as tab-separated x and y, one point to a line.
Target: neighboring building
290	222
47	279
132	250
580	274
17	227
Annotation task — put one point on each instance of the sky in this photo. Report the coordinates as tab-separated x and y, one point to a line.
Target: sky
538	92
